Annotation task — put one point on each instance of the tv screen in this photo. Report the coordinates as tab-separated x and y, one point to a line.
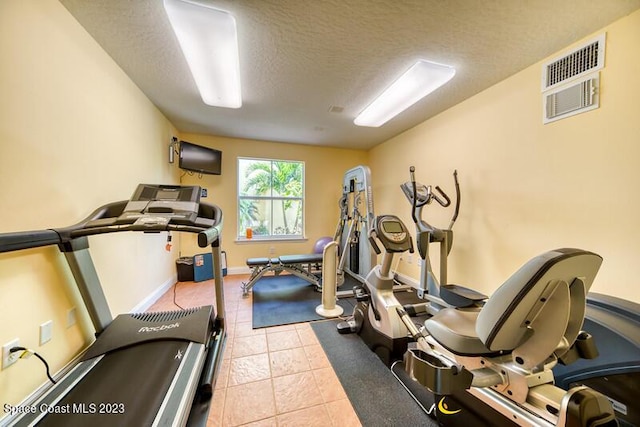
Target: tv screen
200	159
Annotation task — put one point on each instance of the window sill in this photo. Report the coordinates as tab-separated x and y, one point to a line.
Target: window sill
244	240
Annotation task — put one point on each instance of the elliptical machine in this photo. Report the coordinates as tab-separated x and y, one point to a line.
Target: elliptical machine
437	293
375	317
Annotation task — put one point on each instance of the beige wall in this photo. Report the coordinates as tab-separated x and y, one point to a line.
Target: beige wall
529	187
75	133
324	170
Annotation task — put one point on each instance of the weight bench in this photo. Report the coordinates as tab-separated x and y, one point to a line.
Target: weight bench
301	266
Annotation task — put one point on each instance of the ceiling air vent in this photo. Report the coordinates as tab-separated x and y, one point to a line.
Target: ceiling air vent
582	60
574	98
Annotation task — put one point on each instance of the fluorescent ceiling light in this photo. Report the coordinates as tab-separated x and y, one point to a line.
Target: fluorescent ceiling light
209	41
417	82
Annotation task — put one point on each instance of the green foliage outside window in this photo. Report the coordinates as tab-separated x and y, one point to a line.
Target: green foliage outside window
270	197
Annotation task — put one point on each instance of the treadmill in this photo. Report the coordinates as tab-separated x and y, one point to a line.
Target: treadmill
143	369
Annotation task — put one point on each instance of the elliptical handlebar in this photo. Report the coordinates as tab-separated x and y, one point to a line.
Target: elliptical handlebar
414	199
438	195
444	203
457	208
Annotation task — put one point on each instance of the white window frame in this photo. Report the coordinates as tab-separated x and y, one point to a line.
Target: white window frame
241	233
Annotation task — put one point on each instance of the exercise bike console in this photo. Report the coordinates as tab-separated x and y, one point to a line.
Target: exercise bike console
392	233
375	318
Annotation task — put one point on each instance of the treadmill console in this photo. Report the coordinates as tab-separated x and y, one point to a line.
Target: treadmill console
161	204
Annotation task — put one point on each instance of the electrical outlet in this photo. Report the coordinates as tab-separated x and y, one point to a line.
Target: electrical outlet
71	317
410	259
46	330
8	358
272	250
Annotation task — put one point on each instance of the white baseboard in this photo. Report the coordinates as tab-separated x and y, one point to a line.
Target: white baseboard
155	295
238	270
407	280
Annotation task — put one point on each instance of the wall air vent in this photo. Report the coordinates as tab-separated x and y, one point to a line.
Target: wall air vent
574	98
586	58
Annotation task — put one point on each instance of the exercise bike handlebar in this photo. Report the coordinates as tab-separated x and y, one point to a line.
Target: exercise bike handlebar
372	242
390	245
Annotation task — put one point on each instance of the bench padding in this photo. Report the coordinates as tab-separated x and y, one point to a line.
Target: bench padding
300	259
253	262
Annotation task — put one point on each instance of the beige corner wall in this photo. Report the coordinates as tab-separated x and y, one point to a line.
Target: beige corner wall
529	187
75	133
324	170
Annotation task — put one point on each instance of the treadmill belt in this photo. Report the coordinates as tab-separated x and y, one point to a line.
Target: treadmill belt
126	388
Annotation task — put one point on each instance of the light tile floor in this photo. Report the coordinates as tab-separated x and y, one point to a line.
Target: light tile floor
278	376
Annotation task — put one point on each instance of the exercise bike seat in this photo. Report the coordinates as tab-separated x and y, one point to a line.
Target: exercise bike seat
539	306
459	296
455	330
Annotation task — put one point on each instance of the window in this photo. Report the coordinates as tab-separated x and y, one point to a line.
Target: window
270	198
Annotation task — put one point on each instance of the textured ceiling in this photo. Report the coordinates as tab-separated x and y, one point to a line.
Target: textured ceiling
298	58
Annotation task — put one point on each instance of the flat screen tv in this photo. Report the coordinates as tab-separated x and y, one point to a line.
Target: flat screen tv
200	159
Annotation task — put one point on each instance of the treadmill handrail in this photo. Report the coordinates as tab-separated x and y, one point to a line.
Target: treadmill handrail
19	240
205	237
208	235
